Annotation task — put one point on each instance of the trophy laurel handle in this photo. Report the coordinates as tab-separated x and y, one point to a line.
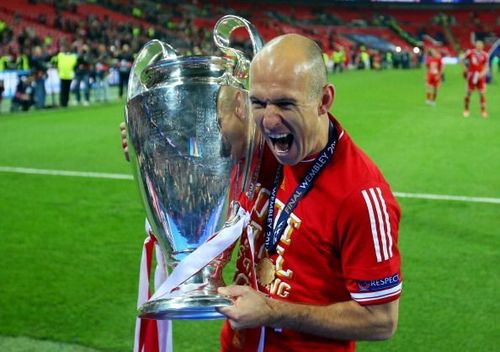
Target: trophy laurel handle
222	34
152	52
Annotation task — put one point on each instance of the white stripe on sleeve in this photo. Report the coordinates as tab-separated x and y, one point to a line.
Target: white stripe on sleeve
373	225
373	296
380	223
387	222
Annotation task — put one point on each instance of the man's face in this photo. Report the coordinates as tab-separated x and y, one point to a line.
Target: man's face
285	112
479	45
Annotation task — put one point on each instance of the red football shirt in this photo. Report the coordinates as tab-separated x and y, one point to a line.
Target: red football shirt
340	244
476	63
434	67
476	60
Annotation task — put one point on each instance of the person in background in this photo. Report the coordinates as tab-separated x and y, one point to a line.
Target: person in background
475	64
39	62
24	95
364	59
125	59
103	62
434	66
495	65
5	60
339	56
23	60
82	74
2	89
65	62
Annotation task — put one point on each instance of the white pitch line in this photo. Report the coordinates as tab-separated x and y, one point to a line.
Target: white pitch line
24	170
448	197
31	171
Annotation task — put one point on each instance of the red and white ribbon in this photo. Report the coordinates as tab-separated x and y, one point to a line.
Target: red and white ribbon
203	255
156	335
151	335
251	241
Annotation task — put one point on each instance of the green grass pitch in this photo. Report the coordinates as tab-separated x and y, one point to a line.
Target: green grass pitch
70	246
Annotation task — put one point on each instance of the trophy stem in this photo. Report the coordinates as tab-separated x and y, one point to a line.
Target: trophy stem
195	299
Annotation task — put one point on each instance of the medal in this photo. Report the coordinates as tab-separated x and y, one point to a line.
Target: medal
265	271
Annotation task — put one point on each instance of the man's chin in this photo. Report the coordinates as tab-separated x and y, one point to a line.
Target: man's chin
285	158
288	157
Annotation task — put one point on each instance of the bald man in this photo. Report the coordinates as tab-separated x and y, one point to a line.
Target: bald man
475	62
321	268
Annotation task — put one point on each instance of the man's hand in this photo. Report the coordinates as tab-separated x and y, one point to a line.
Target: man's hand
250	309
123	132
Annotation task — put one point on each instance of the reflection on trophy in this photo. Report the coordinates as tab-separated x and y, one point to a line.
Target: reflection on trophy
194	152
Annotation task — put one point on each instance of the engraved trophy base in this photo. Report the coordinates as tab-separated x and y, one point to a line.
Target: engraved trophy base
197	307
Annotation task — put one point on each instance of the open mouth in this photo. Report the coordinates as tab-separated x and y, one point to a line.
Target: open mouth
281	142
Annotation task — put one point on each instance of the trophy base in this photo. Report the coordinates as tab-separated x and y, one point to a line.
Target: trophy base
200	307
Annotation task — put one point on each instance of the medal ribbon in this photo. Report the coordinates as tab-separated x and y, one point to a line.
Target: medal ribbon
273	234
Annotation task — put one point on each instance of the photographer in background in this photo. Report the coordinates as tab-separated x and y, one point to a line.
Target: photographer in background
24	96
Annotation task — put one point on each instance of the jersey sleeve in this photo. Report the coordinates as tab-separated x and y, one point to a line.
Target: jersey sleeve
368	226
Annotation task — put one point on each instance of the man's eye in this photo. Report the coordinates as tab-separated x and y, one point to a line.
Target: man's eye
285	105
258	105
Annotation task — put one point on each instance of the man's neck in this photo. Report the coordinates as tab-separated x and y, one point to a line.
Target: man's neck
323	133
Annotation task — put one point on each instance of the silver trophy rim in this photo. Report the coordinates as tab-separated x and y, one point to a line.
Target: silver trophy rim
182	67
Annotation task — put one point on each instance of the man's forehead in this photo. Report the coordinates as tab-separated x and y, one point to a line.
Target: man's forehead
267	87
272	81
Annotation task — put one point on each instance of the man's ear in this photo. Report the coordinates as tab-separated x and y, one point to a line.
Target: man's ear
240	106
327	98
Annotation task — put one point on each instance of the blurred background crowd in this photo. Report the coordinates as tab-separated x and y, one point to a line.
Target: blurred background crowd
69	52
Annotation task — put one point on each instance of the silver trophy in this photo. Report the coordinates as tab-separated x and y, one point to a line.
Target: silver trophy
194	152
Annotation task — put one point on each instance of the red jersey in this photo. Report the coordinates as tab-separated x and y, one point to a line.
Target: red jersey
340	244
476	62
434	67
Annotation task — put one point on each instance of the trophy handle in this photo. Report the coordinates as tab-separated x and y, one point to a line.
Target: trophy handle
222	33
152	52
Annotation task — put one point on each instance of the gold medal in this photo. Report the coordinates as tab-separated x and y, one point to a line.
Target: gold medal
265	271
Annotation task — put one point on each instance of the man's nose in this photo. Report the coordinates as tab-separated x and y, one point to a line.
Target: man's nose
271	117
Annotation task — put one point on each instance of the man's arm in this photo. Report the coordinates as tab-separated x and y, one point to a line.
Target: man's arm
344	321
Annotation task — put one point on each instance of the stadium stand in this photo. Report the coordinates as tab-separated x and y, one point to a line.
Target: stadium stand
380	28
